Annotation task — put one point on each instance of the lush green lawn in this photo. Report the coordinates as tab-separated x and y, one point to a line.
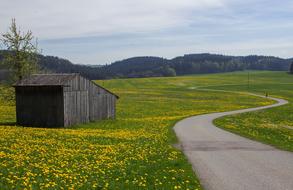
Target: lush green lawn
133	152
273	126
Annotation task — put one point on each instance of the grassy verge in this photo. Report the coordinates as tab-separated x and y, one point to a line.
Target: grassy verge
273	126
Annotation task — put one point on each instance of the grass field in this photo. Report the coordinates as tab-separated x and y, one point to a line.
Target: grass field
273	126
135	151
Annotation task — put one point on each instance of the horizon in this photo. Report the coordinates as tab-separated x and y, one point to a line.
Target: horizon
176	57
102	32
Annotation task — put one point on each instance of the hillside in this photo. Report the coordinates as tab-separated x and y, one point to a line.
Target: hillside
137	148
137	67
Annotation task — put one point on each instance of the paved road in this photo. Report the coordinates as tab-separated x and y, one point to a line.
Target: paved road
225	161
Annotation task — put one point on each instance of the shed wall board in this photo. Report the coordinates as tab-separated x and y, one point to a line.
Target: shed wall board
76	107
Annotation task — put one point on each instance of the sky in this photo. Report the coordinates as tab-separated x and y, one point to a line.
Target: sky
103	31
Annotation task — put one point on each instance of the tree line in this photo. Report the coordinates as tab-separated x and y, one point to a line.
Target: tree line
138	67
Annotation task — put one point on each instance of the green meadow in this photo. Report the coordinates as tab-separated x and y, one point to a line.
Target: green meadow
136	151
272	126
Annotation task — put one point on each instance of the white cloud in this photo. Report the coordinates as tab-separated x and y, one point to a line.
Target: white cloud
75	18
102	31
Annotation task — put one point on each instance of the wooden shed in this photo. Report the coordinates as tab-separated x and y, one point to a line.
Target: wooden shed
60	100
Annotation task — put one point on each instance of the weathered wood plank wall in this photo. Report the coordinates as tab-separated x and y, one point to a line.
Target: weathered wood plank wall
76	101
102	103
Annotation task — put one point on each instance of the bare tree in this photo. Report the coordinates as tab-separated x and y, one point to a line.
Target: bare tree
21	57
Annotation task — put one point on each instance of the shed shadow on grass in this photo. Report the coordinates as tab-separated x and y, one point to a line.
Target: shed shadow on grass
8	123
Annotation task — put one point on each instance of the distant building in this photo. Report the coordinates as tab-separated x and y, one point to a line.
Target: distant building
61	100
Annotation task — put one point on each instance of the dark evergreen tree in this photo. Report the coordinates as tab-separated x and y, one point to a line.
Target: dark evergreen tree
160	67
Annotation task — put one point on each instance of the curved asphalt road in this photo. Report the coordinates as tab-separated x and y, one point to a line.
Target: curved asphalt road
225	161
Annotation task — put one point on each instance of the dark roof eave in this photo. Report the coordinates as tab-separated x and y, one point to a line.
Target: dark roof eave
38	85
46	80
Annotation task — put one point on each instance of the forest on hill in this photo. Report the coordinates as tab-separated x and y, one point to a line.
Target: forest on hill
138	67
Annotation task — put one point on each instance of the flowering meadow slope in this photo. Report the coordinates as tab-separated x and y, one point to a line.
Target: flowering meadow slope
135	151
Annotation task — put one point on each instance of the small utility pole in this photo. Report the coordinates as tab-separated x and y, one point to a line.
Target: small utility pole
248	80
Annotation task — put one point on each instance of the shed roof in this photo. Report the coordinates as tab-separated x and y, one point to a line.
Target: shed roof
46	80
51	80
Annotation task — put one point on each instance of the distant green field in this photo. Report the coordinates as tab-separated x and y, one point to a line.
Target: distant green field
136	150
